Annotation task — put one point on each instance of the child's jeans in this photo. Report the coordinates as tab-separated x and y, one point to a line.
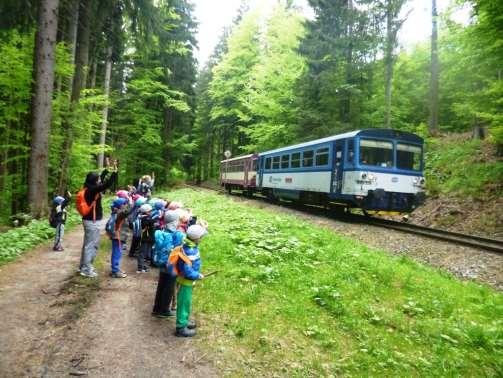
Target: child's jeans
183	306
145	250
135	247
58	238
116	255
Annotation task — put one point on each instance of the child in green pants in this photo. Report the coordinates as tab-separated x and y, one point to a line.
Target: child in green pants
188	268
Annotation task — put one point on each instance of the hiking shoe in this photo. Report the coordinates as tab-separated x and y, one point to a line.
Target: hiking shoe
185	332
191	324
118	274
165	314
88	274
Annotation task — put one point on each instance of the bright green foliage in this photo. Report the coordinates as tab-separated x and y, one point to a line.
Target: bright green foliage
232	81
459	167
294	299
22	239
16	60
272	91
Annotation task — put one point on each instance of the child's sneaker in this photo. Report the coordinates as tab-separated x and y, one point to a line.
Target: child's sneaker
185	332
165	314
118	274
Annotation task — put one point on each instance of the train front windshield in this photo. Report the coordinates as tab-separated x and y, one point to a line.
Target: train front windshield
379	153
376	152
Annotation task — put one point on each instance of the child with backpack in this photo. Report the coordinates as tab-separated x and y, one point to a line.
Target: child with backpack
135	225
165	241
58	219
186	262
116	229
147	238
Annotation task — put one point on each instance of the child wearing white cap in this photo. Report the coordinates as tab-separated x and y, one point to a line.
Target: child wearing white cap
188	273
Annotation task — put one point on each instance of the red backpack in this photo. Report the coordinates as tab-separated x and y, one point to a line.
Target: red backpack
82	207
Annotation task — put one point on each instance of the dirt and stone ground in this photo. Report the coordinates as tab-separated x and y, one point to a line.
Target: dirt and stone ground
56	324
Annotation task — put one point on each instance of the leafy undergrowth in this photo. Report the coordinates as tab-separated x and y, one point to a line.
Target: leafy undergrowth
21	239
293	299
459	165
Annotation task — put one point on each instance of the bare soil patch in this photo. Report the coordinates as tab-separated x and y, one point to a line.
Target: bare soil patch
55	323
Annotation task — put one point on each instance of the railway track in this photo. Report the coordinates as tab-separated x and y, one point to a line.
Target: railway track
486	244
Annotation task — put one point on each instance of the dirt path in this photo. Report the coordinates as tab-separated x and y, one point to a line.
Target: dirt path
45	332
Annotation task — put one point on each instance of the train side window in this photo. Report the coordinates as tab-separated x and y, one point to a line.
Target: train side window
275	162
307	158
285	161
351	151
322	156
268	163
295	160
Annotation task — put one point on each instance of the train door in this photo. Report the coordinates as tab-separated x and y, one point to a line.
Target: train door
260	171
338	166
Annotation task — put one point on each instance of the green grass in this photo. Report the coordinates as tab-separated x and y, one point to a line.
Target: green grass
19	240
293	299
460	167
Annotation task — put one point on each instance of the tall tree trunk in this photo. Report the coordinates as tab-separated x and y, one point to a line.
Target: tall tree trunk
388	59
433	121
346	116
45	46
79	79
104	123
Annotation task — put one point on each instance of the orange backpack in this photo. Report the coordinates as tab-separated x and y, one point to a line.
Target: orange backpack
82	207
176	254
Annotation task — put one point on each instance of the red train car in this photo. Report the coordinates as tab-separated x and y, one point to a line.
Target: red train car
239	173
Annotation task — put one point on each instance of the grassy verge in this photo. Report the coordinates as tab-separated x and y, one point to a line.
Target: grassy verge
22	239
293	299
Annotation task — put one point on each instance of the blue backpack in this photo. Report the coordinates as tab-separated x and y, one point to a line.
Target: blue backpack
110	226
162	247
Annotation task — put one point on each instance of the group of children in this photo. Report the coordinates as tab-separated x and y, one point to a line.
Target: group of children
163	235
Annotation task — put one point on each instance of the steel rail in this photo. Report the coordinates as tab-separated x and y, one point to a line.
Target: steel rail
473	241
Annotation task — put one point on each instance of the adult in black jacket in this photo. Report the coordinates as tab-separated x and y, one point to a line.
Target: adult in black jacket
95	184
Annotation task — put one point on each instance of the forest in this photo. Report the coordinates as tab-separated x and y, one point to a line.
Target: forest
83	80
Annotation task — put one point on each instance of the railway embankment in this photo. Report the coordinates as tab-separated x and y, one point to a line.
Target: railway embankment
464	179
293	297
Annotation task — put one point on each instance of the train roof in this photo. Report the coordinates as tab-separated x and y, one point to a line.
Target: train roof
386	133
313	142
238	158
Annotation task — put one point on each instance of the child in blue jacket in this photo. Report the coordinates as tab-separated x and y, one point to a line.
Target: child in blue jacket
188	273
165	241
117	229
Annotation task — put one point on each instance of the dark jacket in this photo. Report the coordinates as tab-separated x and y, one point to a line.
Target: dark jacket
94	189
147	229
59	211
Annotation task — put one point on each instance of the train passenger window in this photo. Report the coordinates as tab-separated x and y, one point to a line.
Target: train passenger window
376	152
268	163
275	162
408	157
295	160
307	158
322	156
285	161
351	151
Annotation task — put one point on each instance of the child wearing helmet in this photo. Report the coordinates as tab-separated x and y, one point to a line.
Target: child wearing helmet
58	219
116	228
147	238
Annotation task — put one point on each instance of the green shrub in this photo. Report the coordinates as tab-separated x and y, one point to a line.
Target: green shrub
21	239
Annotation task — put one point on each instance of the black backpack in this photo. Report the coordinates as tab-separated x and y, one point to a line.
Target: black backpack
53	219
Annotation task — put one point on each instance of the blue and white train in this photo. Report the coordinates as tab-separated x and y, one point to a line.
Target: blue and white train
376	170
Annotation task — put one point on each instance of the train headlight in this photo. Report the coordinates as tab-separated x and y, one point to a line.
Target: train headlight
363	175
372	177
